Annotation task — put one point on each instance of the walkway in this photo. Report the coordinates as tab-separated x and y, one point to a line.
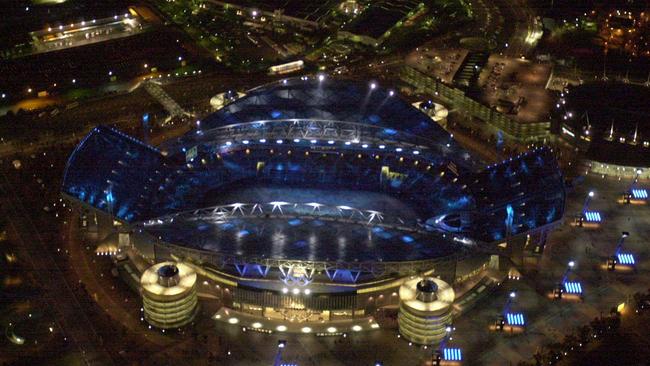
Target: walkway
156	91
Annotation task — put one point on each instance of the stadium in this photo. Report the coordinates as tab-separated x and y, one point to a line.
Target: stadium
612	132
312	200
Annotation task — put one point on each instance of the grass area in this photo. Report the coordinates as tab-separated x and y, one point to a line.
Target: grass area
81	93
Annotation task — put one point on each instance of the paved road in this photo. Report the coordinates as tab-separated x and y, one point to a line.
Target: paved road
107	298
59	296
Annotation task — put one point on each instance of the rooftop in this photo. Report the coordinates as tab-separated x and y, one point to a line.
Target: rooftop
517	88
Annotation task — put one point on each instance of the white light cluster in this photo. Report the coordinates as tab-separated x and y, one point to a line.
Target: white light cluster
329	142
296	291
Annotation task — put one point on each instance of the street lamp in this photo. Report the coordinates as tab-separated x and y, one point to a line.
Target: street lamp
618	256
585	206
278	357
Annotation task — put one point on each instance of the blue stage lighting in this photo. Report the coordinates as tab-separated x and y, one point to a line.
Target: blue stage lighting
593	216
515	319
573	287
626	259
452	354
640	194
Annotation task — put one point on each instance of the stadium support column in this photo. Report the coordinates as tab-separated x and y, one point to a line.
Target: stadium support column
124	238
92	221
425	310
169	295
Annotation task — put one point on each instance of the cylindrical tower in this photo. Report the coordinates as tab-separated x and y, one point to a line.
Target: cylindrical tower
169	294
425	309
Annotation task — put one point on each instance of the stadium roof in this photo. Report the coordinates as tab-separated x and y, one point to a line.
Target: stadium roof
309	98
336	100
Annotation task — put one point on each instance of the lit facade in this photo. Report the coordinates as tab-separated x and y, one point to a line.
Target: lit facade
425	310
169	295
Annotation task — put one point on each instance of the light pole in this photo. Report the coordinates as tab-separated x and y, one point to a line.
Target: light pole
585	206
278	357
437	356
587	200
559	288
619	245
613	260
501	321
630	192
